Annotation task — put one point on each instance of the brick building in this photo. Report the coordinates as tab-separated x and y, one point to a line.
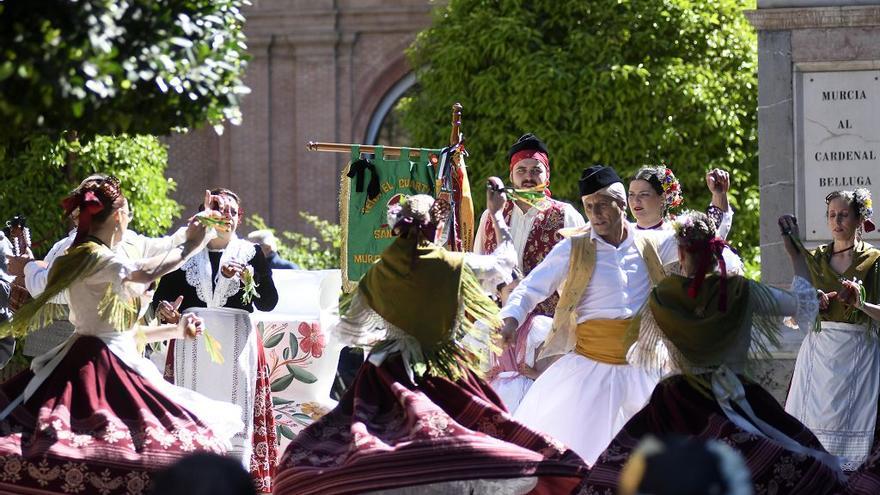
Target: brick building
323	70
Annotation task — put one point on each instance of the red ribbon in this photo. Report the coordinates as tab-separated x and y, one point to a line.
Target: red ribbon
89	205
869	225
704	250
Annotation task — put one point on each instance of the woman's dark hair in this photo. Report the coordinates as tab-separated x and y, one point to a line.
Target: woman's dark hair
652	176
847	196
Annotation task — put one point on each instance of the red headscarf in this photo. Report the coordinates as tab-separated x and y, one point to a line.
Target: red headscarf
537	155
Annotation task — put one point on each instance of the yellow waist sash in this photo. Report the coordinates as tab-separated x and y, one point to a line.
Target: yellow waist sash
602	340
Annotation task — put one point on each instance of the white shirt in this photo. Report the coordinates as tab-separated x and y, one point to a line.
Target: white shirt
35	276
133	246
619	285
721	230
521	226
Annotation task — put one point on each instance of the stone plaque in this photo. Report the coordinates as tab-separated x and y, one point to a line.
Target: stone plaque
840	140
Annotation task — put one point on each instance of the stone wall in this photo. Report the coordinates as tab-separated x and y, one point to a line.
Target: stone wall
797	35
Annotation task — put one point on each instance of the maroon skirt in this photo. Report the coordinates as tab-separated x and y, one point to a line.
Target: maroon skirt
678	408
388	433
94	426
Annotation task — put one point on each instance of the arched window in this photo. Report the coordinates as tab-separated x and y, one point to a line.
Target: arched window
385	126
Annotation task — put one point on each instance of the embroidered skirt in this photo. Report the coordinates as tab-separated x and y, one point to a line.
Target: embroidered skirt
387	434
678	408
94	425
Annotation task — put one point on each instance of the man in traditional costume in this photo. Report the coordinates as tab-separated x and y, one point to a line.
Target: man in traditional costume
417	419
222	285
703	328
587	395
534	227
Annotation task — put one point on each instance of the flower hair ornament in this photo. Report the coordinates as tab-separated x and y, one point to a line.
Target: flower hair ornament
419	213
90	199
671	189
865	207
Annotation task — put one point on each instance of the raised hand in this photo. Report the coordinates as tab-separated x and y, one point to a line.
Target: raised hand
495	197
190	326
718	181
788	226
168	312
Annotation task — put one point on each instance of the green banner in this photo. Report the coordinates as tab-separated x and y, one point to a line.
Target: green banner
364	218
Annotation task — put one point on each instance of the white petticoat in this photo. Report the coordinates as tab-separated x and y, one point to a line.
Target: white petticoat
233	381
834	389
585	403
512	486
511	387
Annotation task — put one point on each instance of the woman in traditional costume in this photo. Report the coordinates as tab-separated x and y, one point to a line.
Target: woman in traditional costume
417	419
836	381
92	415
222	285
699	327
654	191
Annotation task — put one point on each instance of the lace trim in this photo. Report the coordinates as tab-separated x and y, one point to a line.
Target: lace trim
807	303
215	292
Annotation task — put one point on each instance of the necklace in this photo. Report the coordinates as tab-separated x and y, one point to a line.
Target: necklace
96	240
653	227
842	250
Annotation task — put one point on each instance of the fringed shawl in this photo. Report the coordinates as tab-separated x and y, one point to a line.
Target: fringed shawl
78	263
864	267
430	295
690	335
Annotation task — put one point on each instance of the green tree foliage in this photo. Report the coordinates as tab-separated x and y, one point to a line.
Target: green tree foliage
616	82
36	179
310	253
108	67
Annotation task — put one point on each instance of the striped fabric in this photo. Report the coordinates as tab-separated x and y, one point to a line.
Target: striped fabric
677	408
387	433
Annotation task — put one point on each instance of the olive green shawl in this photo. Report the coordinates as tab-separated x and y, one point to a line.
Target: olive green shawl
430	294
864	267
692	336
78	263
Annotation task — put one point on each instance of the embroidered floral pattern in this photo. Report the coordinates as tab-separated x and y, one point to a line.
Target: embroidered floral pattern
542	238
54	475
312	341
264	455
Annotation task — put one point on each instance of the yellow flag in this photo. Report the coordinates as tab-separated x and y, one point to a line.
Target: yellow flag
466	208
